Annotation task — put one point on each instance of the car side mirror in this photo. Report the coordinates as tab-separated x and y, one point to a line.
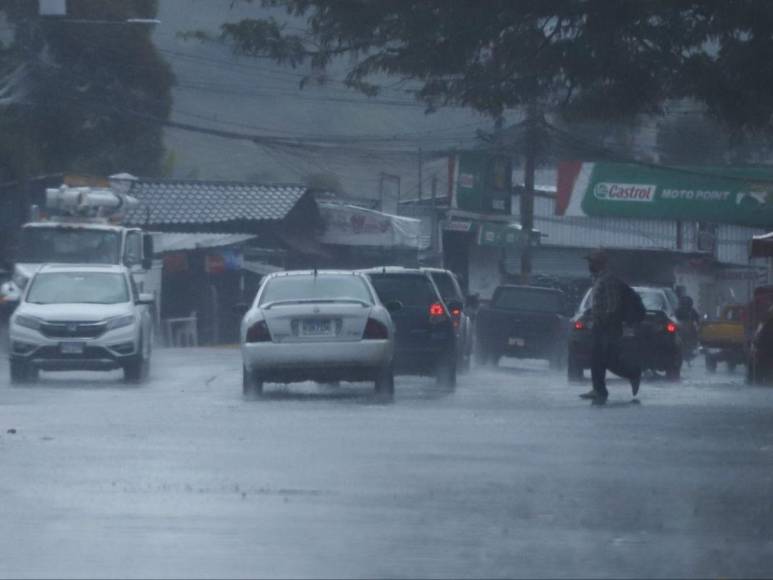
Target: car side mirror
393	305
146	298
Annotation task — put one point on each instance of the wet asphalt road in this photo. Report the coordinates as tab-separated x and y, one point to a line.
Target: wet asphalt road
511	475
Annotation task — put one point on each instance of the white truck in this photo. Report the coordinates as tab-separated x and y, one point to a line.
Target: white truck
82	226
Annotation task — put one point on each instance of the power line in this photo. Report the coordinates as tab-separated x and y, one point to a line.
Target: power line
656	166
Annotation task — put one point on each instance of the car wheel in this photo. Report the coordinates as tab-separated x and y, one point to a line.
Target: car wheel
445	373
21	372
674	372
385	382
711	364
574	372
137	368
252	387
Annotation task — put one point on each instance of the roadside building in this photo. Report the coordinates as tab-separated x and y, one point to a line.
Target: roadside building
215	239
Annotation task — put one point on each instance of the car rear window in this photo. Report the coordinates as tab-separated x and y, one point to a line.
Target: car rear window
311	288
653	300
446	286
528	299
409	289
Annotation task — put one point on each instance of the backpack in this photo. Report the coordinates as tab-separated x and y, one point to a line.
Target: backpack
633	307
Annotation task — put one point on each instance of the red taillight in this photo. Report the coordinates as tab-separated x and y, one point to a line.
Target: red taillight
579	325
258	332
456	312
375	330
671	327
437	310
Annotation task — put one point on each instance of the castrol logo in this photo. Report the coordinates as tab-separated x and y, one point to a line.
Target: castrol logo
625	192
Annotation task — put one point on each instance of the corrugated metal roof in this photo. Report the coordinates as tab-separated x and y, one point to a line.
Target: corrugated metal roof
164	203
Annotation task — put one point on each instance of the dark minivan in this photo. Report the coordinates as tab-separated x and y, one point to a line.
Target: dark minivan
425	335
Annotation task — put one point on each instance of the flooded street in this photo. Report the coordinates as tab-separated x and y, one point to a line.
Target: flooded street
509	475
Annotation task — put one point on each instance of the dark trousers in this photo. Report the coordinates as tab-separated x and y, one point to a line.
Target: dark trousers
606	354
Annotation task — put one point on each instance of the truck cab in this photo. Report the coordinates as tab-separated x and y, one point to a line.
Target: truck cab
83	228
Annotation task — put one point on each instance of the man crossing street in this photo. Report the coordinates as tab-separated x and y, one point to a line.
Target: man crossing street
607	308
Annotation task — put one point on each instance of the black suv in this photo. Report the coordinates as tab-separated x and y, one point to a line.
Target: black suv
426	338
451	291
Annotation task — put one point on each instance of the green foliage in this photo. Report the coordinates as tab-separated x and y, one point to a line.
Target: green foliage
584	58
324	182
87	86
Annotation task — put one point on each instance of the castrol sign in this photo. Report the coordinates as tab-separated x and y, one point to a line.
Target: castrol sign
727	195
625	192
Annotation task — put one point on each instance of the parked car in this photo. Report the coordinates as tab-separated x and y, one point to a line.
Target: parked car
426	338
451	292
73	317
523	322
725	339
655	343
324	326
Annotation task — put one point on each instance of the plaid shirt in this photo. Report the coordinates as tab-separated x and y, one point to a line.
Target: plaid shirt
607	300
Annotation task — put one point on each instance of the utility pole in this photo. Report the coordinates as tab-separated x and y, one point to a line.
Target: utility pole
527	195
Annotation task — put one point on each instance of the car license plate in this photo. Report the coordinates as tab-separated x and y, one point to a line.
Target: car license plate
516	342
316	327
71	347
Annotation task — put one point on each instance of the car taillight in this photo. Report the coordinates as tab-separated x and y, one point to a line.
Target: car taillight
375	330
258	332
456	312
671	328
579	325
437	311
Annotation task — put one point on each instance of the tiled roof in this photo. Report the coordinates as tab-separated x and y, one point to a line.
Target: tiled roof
189	203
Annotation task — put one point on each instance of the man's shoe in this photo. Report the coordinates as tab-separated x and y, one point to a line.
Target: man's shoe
599	400
589	395
635	382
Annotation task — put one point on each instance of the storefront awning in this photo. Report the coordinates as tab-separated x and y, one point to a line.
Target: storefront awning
349	225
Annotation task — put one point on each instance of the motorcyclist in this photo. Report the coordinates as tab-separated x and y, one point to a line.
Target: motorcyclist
689	321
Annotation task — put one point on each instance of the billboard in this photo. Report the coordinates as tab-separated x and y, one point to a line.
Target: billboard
729	195
483	182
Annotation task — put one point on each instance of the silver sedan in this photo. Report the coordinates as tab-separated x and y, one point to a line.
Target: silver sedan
323	326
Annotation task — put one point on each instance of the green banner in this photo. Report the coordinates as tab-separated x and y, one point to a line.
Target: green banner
484	182
741	196
499	235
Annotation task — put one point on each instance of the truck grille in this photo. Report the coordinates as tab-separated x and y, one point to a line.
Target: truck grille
73	329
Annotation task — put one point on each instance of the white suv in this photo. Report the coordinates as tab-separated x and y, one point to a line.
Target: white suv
81	317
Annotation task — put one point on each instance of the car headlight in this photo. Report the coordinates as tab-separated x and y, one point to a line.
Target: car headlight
121	321
28	322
